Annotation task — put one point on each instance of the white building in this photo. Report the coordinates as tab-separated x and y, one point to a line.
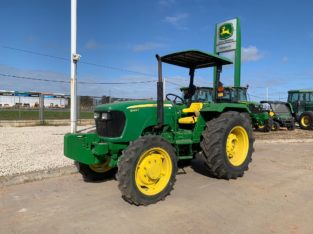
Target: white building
31	99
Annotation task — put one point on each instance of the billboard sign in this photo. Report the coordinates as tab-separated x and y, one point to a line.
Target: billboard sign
226	36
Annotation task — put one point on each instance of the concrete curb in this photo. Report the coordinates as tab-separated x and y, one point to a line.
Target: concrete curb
67	170
36	175
48	122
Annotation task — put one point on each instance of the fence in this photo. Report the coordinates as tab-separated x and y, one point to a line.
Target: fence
48	110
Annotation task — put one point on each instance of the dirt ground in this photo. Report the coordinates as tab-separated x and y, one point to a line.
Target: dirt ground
283	133
274	196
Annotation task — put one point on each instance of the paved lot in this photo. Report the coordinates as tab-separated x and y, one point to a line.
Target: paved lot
274	196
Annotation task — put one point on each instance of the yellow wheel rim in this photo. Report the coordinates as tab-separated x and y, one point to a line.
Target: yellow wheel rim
305	121
153	171
101	167
274	127
261	126
237	145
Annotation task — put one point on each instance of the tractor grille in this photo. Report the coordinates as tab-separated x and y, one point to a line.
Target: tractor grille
111	127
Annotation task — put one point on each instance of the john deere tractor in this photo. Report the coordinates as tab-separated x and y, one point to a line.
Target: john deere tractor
260	118
302	104
146	139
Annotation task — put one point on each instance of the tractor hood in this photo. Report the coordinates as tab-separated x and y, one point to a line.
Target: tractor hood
126	121
129	105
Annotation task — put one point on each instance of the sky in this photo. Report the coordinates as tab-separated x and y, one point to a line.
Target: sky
122	38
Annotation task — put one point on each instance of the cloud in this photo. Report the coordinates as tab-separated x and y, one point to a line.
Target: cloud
285	59
251	53
31	39
177	20
92	44
166	3
148	46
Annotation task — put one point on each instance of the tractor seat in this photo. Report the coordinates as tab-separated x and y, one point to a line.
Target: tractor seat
194	108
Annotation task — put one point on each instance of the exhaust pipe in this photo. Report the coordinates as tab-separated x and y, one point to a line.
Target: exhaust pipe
160	100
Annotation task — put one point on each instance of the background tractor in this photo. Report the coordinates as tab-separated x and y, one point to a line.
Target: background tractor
260	118
145	139
302	104
281	113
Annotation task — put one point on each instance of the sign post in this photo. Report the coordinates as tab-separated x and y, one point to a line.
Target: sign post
227	39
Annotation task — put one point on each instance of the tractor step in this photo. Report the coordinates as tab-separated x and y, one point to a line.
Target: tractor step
184	142
185	157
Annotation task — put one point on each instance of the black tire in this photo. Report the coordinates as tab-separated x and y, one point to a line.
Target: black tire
275	126
90	175
306	120
247	116
291	126
128	167
268	123
214	141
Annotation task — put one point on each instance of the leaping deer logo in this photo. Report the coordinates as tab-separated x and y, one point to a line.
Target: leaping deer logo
226	31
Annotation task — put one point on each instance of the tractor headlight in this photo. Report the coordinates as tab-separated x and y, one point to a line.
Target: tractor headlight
271	113
106	116
96	115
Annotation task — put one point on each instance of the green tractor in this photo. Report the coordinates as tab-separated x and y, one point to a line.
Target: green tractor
281	113
146	139
302	104
260	118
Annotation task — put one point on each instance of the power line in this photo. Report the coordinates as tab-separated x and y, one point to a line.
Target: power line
35	53
81	62
80	82
254	96
173	83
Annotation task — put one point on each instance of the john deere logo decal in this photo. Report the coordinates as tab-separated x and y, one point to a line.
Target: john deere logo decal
226	31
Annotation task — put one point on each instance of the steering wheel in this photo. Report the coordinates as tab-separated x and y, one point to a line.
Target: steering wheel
174	98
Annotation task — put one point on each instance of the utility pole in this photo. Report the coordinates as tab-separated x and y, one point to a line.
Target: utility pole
75	58
41	108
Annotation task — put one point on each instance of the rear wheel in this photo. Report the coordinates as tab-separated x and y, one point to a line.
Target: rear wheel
275	126
228	145
147	170
306	120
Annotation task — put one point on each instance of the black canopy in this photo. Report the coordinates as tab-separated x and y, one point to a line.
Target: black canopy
195	59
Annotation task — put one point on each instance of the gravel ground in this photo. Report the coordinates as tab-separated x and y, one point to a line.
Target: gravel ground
29	149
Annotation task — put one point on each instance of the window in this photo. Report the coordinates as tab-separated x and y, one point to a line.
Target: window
293	97
302	97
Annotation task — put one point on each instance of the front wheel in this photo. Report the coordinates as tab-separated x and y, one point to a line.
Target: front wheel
147	170
95	172
228	145
291	126
266	127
